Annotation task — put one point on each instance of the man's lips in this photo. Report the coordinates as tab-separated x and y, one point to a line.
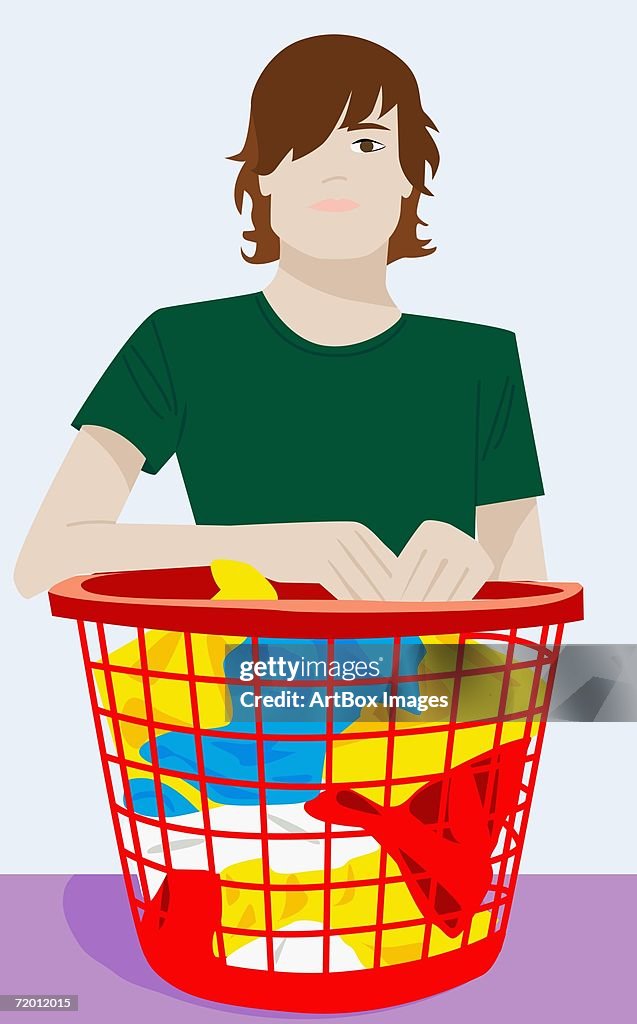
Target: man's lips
334	205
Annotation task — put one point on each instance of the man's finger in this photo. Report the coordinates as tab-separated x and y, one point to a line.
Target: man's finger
337	584
378	550
448	583
468	585
422	576
365	567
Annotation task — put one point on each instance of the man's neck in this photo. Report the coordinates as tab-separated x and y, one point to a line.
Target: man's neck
332	302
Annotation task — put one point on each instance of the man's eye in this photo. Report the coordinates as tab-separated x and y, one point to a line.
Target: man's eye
366	145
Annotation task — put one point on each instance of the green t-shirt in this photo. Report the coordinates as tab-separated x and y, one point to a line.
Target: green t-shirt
427	420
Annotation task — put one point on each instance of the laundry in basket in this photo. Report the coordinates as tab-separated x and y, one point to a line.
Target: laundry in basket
287	761
232	758
170	697
437	878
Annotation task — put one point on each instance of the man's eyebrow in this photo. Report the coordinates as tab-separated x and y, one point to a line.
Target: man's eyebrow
368	124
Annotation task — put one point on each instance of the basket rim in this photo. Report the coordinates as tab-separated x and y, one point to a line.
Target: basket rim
303	609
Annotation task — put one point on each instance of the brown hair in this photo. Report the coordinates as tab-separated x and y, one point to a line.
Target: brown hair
296	103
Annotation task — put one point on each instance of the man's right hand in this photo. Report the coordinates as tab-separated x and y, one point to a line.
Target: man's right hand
347	558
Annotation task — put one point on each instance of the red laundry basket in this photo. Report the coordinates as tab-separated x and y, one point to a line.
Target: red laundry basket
435	805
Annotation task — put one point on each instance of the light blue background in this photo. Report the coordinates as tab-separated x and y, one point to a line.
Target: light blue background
118	200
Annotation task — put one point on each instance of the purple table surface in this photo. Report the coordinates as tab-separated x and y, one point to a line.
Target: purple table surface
569	955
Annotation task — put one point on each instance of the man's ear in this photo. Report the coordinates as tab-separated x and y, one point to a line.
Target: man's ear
265	184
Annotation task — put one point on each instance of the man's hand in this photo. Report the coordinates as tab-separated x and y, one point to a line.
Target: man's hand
347	558
440	563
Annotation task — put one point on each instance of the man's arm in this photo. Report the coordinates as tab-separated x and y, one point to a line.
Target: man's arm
510	532
76	531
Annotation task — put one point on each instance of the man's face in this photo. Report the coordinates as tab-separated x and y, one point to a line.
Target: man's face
361	166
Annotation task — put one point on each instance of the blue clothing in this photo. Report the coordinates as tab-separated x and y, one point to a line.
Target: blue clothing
285	761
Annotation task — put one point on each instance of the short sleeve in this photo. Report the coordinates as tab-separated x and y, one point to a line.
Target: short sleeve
136	397
506	457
